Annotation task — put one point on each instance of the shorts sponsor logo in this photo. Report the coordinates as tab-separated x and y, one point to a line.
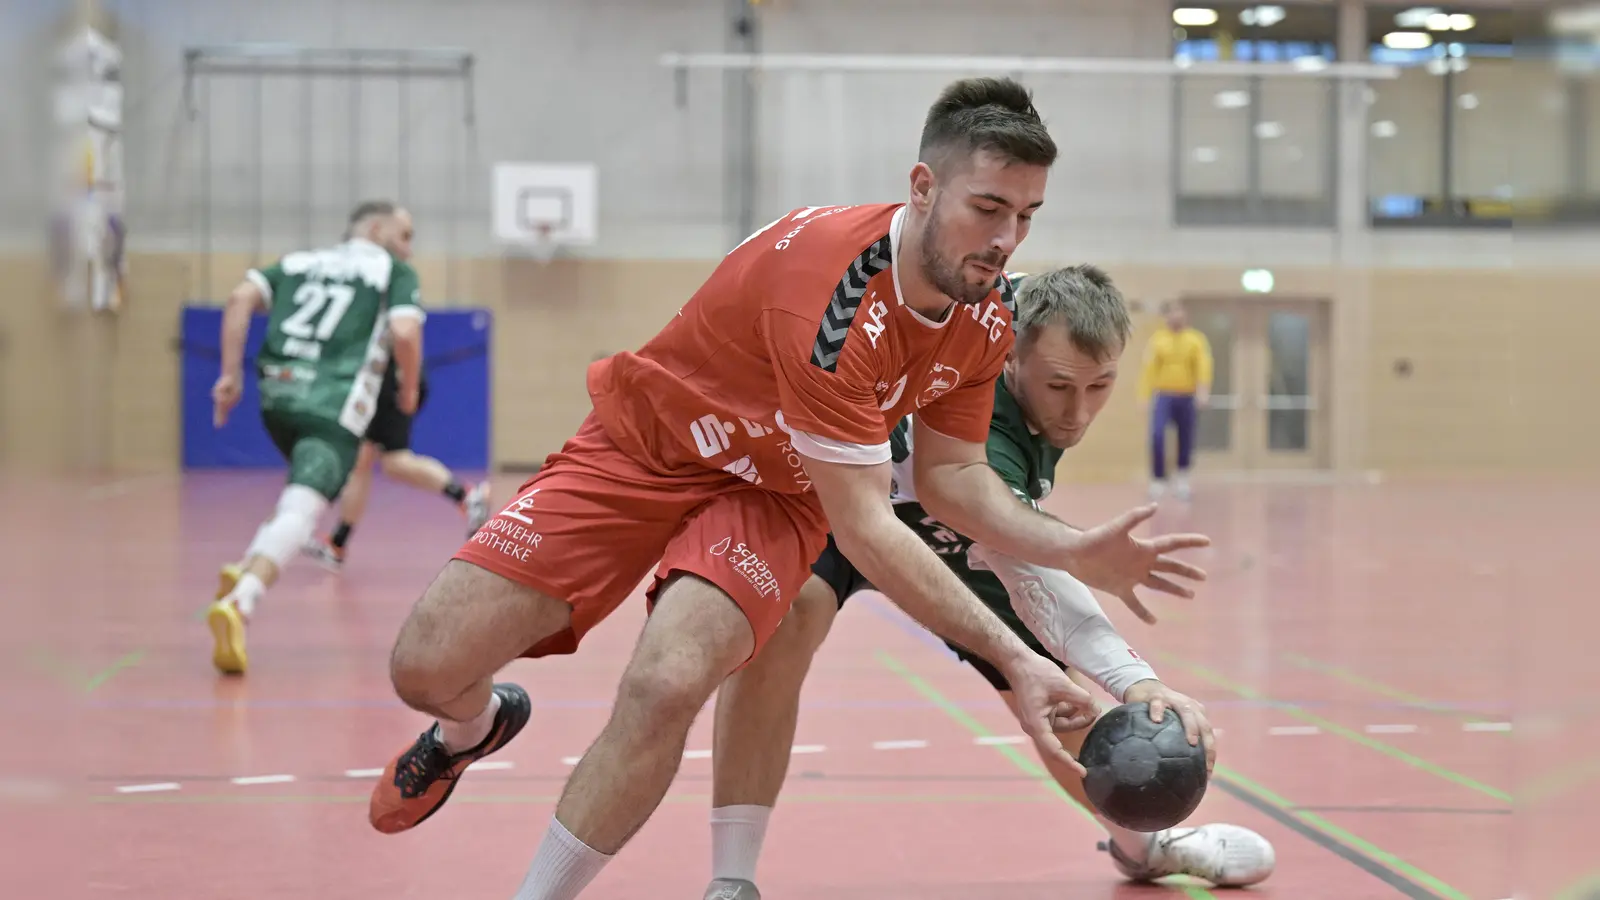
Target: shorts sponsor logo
751	567
511	533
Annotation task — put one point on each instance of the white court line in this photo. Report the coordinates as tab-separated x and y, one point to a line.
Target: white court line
1001	740
148	788
362	773
1486	726
262	779
1293	730
1392	729
807	748
899	745
492	765
697	754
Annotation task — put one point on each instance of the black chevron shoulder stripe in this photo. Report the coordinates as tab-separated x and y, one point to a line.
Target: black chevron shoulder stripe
841	311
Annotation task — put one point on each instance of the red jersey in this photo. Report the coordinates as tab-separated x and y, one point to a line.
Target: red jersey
801	344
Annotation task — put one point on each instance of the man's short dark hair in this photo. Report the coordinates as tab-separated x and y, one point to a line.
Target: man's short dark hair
993	114
365	210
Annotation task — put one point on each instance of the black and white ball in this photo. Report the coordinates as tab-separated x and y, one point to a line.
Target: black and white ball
1142	775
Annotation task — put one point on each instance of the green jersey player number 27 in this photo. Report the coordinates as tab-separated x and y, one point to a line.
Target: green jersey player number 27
335	314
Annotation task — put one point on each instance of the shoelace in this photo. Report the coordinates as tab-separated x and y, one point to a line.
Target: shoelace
425	763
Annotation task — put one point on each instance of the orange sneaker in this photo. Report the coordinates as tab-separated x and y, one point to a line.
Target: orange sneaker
420	780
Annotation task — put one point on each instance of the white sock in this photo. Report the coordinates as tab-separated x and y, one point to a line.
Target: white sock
737	833
459	736
246	592
1134	845
563	867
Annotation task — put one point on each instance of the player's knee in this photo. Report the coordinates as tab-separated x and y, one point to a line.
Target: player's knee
666	690
804	627
394	461
420	667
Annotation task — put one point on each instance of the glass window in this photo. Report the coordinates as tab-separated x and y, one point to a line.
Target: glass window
1254	150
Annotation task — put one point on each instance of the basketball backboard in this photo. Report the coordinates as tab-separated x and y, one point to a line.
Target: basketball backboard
545	203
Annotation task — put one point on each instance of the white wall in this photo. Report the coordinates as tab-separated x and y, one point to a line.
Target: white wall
567	80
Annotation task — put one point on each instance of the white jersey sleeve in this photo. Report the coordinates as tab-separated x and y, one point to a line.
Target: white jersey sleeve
1063	614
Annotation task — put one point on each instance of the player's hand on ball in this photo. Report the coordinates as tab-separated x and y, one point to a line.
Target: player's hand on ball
1109	558
225	396
1049	702
1191	711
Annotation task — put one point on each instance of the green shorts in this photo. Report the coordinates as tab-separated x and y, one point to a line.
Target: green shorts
320	452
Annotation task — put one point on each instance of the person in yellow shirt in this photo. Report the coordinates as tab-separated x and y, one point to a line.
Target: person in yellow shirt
1177	377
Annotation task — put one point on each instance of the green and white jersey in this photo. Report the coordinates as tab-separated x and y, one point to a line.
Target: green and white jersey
1025	461
327	343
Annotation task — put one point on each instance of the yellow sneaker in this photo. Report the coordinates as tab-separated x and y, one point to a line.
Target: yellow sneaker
227	628
227	578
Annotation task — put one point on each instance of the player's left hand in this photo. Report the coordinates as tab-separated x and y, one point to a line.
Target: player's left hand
1049	702
1109	558
225	394
1191	711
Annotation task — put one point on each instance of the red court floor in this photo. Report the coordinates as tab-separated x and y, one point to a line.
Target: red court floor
1388	663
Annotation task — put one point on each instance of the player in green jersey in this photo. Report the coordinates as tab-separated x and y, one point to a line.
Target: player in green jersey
1072	327
388	446
335	313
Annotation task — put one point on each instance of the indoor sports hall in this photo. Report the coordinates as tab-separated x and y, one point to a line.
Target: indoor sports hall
1381	218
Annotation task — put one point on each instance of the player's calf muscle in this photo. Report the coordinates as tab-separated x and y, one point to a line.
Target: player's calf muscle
468	624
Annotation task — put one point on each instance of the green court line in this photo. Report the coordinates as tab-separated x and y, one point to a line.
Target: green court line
1388	750
1028	766
1327	828
127	661
1381	689
60	668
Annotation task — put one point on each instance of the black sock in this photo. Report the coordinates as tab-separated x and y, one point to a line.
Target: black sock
455	491
341	535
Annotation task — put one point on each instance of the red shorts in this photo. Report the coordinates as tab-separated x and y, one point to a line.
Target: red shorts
593	522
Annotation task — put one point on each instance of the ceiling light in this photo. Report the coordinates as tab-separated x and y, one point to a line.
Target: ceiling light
1384	129
1407	40
1310	63
1462	22
1231	99
1416	17
1269	131
1205	154
1194	17
1262	16
1467	101
1438	22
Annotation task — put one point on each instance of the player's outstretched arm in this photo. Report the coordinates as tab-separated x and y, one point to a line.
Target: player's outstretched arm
957	485
898	563
1063	614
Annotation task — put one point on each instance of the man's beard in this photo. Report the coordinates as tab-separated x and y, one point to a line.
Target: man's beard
946	277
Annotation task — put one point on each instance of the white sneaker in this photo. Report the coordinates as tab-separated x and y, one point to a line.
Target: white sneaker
1225	855
1181	489
476	506
732	889
1157	488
